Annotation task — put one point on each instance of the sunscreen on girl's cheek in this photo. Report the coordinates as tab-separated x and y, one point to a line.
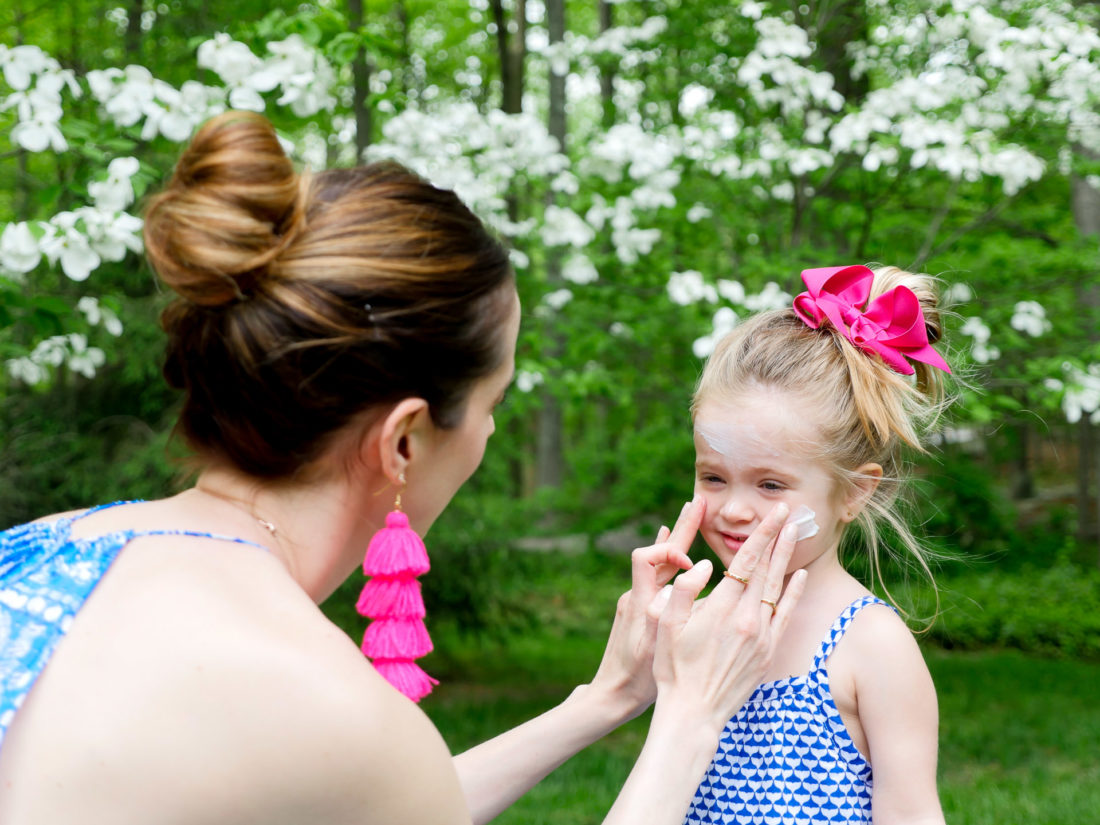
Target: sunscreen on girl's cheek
803	517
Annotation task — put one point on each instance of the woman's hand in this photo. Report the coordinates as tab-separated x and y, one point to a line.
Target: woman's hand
711	656
626	671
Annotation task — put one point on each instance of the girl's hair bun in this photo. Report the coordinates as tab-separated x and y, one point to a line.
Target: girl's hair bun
230	208
929	380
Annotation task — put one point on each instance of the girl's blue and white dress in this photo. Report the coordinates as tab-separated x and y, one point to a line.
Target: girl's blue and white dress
786	756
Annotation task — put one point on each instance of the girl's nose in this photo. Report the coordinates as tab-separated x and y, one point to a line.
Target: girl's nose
737	509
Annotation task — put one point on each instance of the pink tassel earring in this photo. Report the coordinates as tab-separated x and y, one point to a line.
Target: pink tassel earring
391	598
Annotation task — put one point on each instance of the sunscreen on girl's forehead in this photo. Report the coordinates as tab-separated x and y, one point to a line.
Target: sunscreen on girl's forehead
734	440
803	516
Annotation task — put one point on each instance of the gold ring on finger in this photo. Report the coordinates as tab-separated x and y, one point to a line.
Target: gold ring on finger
769	603
735	577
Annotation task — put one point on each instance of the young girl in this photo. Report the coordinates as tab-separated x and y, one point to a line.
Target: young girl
812	406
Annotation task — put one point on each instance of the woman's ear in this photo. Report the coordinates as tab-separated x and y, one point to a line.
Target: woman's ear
389	443
865	482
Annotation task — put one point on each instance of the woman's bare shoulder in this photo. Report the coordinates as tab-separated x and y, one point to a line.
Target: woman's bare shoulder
200	703
314	727
337	737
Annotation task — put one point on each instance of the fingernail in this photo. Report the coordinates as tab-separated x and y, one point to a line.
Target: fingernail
705	565
781	510
790	532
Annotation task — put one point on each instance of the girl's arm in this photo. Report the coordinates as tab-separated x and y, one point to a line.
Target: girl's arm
898	713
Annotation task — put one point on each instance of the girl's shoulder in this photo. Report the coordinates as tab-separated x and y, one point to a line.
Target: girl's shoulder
877	641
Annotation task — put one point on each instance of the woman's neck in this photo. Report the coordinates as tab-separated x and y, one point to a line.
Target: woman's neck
318	530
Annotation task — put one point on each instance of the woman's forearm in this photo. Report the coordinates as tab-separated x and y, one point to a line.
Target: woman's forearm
496	773
672	763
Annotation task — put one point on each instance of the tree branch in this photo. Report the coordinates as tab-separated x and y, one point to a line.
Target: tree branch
934	227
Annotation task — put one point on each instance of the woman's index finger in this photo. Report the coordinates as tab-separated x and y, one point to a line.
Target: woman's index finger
687	525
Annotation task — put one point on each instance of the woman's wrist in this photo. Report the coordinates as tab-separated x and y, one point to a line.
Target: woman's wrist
609	706
679	710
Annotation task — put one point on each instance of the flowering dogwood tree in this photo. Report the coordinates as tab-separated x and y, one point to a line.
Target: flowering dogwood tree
713	152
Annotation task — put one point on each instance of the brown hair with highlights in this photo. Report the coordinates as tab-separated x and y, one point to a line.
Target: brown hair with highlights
306	299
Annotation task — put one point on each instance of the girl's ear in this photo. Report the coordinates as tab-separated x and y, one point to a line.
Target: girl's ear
867	477
390	443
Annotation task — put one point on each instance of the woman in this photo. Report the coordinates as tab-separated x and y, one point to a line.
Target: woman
337	339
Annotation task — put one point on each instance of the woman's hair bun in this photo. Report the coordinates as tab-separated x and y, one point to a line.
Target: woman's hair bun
230	208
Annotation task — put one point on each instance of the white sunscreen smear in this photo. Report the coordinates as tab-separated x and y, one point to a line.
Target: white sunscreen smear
803	516
734	440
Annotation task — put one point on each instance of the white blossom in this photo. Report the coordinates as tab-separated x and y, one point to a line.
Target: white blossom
732	291
958	293
64	242
578	269
19	252
1082	393
117	192
1030	317
564	227
71	350
694	98
725	319
689	287
304	75
770	297
25	370
527	380
698	212
40	132
558	298
21	63
980	349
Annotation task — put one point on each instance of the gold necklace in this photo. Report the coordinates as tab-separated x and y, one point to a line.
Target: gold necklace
267	525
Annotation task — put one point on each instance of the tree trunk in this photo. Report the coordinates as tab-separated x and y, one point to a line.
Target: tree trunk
512	53
401	12
1023	484
550	466
607	70
360	75
555	24
132	41
1086	214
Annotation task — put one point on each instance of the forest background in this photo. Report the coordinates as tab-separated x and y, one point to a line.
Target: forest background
660	169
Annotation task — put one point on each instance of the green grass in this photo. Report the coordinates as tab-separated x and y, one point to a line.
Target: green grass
1018	739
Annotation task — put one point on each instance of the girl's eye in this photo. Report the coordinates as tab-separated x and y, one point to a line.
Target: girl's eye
710	478
773	486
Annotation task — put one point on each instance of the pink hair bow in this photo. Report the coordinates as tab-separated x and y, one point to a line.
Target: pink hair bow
892	325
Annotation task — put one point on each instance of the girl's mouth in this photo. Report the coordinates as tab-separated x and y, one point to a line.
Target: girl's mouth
734	541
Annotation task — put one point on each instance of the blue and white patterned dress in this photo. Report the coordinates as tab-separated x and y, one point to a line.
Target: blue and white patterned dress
786	756
45	577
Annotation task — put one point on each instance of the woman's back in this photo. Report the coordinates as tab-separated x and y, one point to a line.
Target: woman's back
199	683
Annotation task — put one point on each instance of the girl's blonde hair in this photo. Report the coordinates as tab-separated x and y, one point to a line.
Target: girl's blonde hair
867	412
